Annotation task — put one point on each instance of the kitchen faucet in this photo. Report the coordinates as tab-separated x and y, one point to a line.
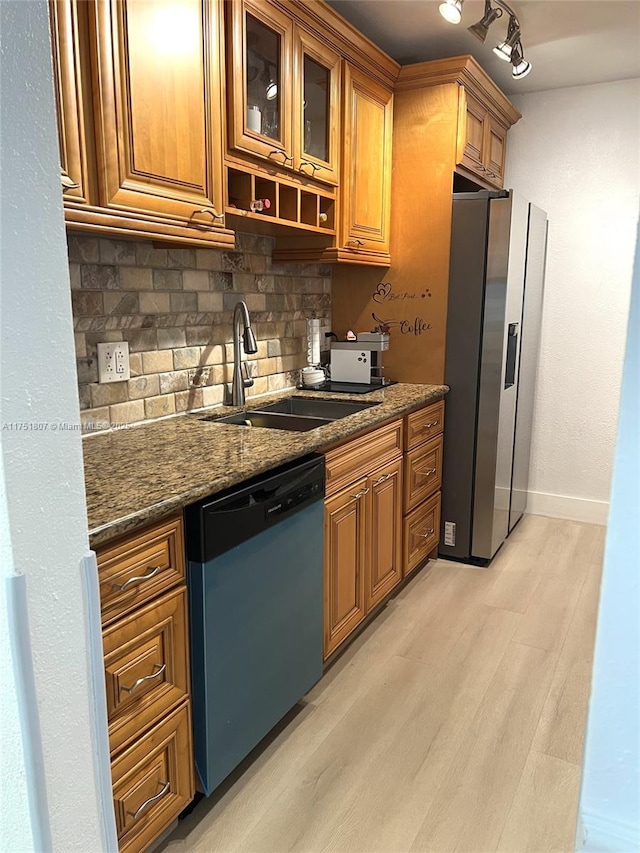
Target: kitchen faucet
240	382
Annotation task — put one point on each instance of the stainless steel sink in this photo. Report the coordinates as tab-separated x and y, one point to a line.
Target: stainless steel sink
310	407
295	413
272	420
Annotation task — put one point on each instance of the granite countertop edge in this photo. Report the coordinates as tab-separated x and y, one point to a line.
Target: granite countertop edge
136	476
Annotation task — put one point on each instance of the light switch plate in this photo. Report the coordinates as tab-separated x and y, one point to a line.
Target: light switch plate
113	362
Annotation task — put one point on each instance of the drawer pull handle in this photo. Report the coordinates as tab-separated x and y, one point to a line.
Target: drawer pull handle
160	669
212	211
426	473
384	478
361	494
314	167
285	157
354	243
427	534
153	571
165	790
431	424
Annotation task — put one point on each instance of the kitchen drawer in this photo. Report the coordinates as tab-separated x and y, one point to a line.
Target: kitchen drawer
362	455
146	666
153	782
421	533
423	425
145	564
422	472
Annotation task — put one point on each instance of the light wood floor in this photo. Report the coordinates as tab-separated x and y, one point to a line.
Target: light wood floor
455	722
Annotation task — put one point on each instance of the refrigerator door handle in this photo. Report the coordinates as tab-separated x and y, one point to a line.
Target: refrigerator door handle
512	355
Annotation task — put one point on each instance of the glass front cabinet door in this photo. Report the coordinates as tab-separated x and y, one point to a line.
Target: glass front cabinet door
284	90
260	81
316	115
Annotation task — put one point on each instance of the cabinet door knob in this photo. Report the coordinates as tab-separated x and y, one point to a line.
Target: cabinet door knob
160	669
138	813
153	571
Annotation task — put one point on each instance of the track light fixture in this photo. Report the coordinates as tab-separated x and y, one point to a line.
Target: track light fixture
520	65
481	29
451	10
503	50
510	49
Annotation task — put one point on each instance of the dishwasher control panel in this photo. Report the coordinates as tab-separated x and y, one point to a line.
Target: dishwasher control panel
223	521
294	499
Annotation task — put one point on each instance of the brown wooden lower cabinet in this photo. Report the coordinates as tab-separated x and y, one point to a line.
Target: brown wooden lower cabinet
383	538
146	666
153	781
344	603
421	533
363	532
146	662
422	483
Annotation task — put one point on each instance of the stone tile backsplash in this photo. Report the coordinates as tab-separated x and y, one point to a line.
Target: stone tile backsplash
175	307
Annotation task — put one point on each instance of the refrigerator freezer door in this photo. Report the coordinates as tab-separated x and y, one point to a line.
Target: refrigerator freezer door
531	321
464	345
506	251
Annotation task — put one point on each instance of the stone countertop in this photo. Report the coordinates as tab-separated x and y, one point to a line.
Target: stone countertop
141	474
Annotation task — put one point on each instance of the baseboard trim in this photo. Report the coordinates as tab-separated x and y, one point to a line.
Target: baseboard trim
563	506
604	835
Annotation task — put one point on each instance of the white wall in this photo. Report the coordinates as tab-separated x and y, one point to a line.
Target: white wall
15	820
43	511
610	800
575	153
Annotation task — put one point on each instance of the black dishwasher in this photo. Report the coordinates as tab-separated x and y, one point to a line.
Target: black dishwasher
255	579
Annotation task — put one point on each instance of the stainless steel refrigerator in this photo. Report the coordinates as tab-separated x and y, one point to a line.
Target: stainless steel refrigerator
496	280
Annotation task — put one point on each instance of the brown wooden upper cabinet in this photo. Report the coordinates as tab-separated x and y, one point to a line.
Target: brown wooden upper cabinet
139	89
482	140
65	42
461	101
284	88
366	176
155	108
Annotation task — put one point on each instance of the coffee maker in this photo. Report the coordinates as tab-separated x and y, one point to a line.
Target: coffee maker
360	361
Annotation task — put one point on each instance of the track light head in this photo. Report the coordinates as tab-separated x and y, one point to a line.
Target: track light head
481	29
520	65
451	10
503	50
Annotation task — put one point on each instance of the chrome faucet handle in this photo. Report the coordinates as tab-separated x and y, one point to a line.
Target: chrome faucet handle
247	379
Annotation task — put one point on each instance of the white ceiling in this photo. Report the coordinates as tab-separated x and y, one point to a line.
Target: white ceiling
568	42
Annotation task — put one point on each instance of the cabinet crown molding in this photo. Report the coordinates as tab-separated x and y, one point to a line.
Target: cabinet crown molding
465	71
322	20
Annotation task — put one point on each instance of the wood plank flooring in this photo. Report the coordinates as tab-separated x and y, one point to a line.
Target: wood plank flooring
455	721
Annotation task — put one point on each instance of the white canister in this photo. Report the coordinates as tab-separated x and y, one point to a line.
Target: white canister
254	119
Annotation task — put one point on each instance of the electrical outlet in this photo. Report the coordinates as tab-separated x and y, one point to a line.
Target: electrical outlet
113	362
199	376
450	533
